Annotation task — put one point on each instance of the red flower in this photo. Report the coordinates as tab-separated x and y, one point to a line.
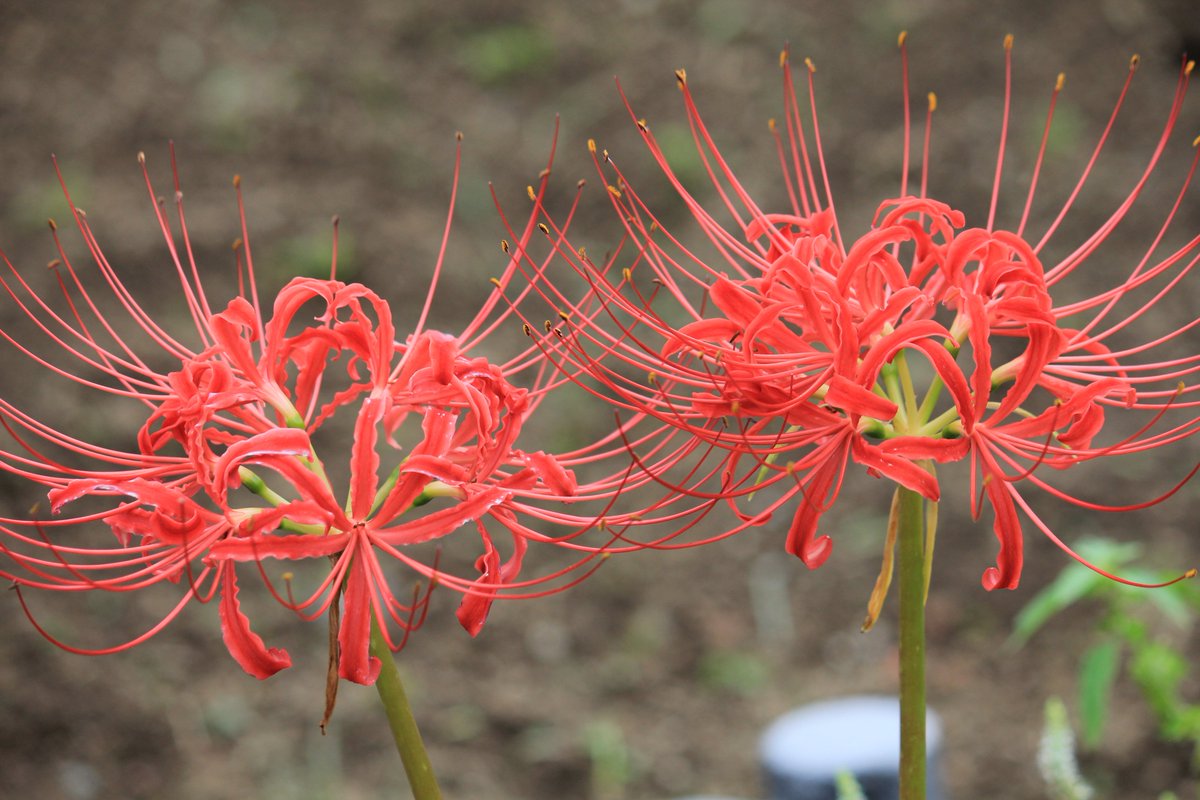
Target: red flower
804	352
233	462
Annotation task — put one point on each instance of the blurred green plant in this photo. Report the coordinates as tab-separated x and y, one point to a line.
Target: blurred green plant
612	765
848	787
1131	631
499	55
1056	756
732	671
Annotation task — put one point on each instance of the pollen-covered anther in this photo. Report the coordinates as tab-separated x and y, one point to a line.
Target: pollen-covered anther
504	245
548	326
528	330
54	263
237	244
532	194
1008	41
458	136
141	157
495	282
1058	83
1134	61
681	76
1189	66
652	377
783	57
808	62
53	225
591	145
627	274
237	181
542	227
614	191
771	124
643	126
933	101
564	316
901	38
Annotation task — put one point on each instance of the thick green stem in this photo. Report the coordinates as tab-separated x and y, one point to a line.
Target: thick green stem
912	646
404	728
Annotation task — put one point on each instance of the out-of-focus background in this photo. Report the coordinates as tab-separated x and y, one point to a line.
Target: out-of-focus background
655	677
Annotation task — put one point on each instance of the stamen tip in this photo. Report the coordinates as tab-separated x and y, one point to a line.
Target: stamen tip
1008	41
532	194
933	101
901	38
504	245
1058	84
237	181
53	225
808	62
1134	60
1189	66
458	136
771	124
1191	573
783	57
591	145
542	227
681	77
141	158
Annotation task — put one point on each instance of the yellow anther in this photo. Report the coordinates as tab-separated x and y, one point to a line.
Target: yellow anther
1191	573
495	282
627	274
564	316
901	38
288	576
614	191
237	181
1196	141
542	227
591	145
504	245
532	194
1188	67
1134	60
783	58
808	62
1008	42
651	377
237	245
771	124
53	225
548	326
1058	84
642	126
528	330
933	102
681	76
141	157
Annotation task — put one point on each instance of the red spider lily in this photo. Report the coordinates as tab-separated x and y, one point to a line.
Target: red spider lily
796	349
226	467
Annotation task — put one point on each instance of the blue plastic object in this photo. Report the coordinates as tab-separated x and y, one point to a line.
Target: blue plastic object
803	751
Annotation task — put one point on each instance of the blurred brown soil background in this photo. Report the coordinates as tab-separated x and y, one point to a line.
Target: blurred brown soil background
654	678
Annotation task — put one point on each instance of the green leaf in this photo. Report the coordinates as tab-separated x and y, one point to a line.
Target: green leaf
1072	584
1097	672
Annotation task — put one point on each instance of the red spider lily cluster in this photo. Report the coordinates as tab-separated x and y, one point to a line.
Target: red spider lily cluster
230	465
926	339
